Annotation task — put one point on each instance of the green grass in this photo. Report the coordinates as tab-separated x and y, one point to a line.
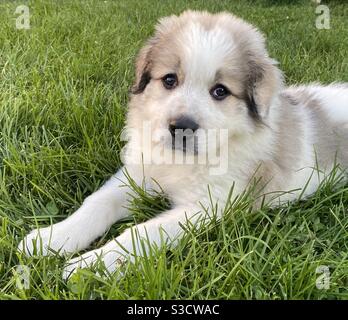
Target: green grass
63	96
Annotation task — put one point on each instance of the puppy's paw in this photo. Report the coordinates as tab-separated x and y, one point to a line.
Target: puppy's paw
46	241
87	260
110	260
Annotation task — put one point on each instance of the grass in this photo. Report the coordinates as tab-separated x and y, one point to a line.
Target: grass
63	95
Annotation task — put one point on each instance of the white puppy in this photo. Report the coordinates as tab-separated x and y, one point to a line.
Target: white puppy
202	73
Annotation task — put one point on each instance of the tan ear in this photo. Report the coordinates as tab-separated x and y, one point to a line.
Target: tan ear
144	59
142	69
262	85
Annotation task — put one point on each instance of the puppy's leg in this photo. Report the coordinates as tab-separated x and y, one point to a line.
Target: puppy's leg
98	212
160	230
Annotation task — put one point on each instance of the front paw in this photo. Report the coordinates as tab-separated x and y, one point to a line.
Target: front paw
110	261
47	241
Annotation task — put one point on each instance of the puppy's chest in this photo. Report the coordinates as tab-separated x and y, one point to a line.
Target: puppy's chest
187	184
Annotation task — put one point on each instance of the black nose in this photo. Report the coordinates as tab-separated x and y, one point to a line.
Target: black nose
182	123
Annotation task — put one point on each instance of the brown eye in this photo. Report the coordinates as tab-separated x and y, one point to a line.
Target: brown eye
219	92
170	81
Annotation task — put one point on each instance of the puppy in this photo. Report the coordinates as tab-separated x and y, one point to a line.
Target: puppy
206	75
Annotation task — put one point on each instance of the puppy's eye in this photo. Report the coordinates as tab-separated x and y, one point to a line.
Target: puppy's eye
170	81
219	92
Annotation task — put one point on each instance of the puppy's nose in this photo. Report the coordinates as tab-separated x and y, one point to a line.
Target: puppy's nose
182	123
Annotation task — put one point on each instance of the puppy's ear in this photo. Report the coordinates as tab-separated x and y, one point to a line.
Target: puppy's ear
146	54
142	69
263	83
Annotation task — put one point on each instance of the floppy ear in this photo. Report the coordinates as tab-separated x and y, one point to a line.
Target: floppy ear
144	59
262	85
142	69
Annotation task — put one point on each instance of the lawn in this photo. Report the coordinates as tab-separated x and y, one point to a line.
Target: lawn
64	87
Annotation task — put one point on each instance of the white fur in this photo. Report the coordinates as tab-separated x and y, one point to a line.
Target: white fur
334	100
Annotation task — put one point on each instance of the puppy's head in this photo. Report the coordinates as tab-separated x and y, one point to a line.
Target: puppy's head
204	71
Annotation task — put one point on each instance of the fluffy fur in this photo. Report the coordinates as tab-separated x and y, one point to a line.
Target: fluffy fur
275	134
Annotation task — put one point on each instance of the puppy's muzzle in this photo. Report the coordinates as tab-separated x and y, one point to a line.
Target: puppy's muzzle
182	131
